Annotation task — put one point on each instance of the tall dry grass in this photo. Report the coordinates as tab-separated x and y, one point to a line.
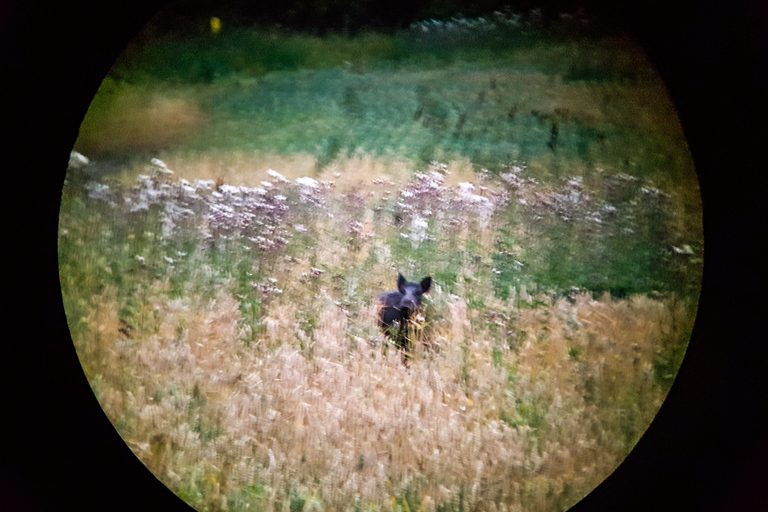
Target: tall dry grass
531	423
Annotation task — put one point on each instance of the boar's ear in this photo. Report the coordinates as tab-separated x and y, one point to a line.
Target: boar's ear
400	283
426	283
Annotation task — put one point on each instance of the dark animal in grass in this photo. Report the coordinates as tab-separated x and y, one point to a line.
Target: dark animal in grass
399	310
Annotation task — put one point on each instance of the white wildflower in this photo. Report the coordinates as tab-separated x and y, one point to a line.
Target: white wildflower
466	188
205	184
160	167
685	249
99	191
306	181
418	232
77	161
167	227
277	176
230	190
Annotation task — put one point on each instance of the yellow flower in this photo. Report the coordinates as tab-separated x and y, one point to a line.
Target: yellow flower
215	25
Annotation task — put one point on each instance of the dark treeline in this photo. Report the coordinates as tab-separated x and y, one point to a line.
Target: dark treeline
353	16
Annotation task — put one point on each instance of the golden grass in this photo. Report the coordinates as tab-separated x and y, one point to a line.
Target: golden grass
347	420
349	174
360	170
232	167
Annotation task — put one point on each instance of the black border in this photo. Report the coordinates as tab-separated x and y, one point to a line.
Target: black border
707	448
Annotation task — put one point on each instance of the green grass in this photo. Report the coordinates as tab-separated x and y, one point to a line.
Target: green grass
490	100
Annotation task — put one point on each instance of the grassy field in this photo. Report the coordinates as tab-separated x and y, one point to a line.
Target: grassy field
225	314
414	96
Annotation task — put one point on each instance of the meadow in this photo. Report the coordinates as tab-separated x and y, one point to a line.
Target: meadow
222	299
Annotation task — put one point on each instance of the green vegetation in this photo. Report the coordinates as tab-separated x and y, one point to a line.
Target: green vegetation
428	96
